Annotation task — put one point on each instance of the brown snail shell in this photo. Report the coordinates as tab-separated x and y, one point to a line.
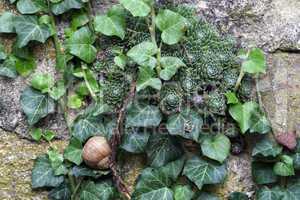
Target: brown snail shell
96	152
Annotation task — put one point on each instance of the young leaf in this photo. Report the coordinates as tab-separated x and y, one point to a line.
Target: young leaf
216	147
134	141
8	68
80	44
79	19
146	78
266	147
66	5
92	191
31	6
7	23
172	25
36	134
48	135
111	24
255	62
170	66
25	66
36	105
138	8
57	91
162	149
183	192
42	82
143	53
74	101
43	174
187	124
231	98
73	152
28	29
143	116
56	161
203	172
262	173
84	128
285	167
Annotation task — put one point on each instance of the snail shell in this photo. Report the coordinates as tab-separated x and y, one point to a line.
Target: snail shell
96	152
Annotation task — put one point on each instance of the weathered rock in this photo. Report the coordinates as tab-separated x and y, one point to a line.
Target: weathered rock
16	162
270	24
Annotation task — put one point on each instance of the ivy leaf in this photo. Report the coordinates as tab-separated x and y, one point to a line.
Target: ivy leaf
31	6
187	124
285	166
79	19
36	105
216	147
120	61
255	62
172	25
139	115
36	134
60	192
111	24
174	168
56	160
203	172
8	68
292	191
83	171
268	194
207	196
90	80
138	8
183	192
162	194
260	124
57	91
7	23
42	82
3	54
92	191
48	135
80	44
162	149
84	128
135	141
28	29
237	196
296	161
66	5
231	98
43	174
146	79
74	101
143	53
266	147
73	152
170	66
150	181
24	66
262	173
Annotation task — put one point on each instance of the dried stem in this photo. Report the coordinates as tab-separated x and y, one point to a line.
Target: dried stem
116	140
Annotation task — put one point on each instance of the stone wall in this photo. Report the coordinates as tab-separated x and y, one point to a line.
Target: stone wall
273	25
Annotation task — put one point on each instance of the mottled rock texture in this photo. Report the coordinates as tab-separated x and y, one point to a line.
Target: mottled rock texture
273	25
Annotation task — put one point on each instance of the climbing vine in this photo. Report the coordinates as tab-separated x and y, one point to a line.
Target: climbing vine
152	78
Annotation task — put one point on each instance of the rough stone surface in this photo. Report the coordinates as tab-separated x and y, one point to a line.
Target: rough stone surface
16	162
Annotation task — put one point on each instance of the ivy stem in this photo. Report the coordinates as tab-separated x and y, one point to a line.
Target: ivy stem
94	96
258	93
72	182
240	78
73	196
153	38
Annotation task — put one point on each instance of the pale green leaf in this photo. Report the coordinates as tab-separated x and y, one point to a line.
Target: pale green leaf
146	78
74	101
7	22
255	62
231	98
73	152
138	8
143	53
285	166
66	5
170	66
183	192
31	6
42	82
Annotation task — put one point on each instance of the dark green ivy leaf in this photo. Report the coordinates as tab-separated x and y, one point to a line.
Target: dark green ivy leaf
36	105
139	115
66	5
83	171
8	68
207	196
285	166
80	44
262	173
147	78
28	29
43	174
183	192
187	124
135	141
170	66
162	149
84	128
174	168
143	53
61	192
237	196
292	190
266	147
92	191
266	193
203	172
